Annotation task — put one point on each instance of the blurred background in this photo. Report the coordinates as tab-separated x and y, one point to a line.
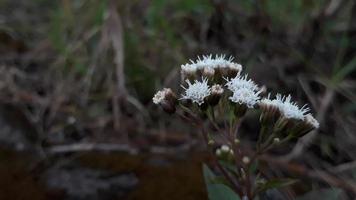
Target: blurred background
77	78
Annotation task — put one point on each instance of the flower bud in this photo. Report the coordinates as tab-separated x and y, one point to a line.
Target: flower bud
188	72
216	94
225	153
166	99
218	152
246	160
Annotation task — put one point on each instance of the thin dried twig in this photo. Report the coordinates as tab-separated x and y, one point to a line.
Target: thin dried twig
115	33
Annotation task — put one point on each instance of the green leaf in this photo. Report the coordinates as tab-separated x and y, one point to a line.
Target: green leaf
276	183
325	194
217	191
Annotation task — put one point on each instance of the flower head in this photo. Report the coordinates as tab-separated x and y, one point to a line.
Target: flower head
161	95
166	99
209	64
245	91
197	91
188	70
290	109
241	82
245	96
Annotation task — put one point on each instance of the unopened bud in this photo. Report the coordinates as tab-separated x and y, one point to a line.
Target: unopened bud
237	141
246	160
218	152
211	142
276	140
215	96
166	99
225	148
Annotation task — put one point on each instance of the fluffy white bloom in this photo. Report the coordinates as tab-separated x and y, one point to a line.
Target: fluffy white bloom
288	109
161	95
210	63
245	96
188	69
270	102
245	91
241	82
197	91
311	120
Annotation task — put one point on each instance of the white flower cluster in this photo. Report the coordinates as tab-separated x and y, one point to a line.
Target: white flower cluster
245	91
290	109
208	64
197	91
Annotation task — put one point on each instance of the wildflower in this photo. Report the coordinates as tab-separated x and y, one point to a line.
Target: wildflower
197	91
245	96
188	71
289	109
208	65
241	82
166	99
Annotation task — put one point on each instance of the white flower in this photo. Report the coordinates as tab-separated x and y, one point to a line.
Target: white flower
245	96
197	91
270	102
311	120
209	63
161	95
289	109
188	69
241	82
245	91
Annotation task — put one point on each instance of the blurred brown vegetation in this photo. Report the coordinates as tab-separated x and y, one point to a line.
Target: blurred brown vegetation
84	71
